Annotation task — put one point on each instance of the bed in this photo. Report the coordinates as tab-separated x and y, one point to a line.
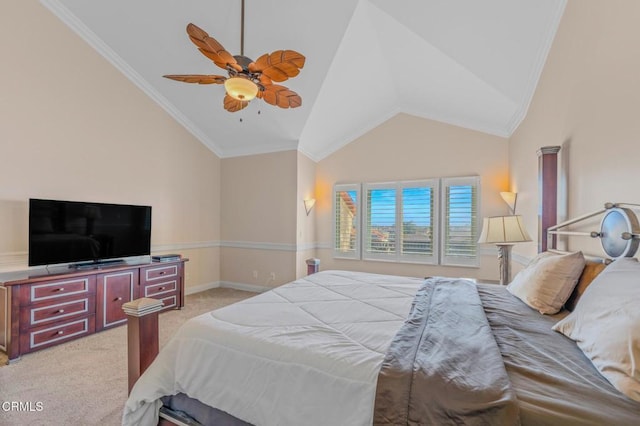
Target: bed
560	345
316	351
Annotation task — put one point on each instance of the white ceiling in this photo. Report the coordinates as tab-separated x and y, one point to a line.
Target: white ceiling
471	63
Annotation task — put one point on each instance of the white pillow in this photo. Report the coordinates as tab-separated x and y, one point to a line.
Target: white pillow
606	325
548	280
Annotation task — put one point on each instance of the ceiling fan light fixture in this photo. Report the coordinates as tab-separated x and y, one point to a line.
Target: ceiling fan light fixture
241	88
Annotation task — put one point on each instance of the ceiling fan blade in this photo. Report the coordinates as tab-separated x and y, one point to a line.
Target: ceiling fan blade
279	65
233	105
280	96
197	78
264	80
211	48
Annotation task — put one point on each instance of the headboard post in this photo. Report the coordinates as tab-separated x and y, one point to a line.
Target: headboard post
142	335
547	193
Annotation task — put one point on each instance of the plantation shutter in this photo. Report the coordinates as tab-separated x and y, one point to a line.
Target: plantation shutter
460	221
380	232
346	221
419	221
432	221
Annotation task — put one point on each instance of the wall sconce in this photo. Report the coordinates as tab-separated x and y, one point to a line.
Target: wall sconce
308	205
510	198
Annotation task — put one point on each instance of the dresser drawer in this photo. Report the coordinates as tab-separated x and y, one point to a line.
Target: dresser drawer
42	337
159	289
153	274
170	301
54	290
44	313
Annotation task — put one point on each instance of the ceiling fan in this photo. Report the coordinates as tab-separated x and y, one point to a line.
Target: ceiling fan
247	79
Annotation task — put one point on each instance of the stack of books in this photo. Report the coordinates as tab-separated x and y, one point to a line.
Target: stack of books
166	257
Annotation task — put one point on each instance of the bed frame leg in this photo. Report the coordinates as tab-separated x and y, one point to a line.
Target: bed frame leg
142	335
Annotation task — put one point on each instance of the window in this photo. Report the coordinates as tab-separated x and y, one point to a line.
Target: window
400	222
431	221
346	212
460	221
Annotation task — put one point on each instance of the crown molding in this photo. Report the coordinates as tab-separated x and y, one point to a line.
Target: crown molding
536	69
260	149
92	39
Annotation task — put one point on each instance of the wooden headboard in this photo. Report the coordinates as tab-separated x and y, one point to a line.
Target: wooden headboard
591	270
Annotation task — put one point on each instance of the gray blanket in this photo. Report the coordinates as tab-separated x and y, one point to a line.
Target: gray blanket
444	366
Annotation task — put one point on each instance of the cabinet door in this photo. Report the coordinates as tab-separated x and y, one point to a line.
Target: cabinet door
114	289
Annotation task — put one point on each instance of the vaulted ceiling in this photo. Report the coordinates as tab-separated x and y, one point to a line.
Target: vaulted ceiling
470	63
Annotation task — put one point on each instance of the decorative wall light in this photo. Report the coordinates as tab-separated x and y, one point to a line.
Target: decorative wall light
308	205
510	198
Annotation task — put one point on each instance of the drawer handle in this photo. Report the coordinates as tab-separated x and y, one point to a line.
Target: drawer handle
161	288
60	311
60	332
163	272
60	289
119	298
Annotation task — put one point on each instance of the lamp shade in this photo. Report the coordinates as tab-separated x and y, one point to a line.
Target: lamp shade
503	230
241	88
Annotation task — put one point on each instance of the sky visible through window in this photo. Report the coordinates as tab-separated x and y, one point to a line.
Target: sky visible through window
384	201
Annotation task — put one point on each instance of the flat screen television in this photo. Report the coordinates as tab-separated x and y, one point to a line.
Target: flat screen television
86	233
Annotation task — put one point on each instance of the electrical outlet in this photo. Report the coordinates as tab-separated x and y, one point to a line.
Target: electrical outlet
272	276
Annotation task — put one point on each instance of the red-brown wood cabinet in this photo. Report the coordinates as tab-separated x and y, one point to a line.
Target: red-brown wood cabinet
40	308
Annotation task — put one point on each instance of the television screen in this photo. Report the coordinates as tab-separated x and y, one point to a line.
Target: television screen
72	231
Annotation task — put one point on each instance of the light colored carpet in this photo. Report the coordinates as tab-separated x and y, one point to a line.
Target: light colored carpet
84	382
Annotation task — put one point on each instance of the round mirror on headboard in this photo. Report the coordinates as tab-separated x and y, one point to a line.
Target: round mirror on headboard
616	222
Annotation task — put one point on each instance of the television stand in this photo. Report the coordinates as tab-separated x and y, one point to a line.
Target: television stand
98	264
40	309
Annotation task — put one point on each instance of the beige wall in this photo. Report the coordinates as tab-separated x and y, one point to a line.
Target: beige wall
587	101
306	236
259	214
73	127
407	148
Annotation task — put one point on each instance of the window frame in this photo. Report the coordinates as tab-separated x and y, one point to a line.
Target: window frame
445	260
347	187
438	217
397	255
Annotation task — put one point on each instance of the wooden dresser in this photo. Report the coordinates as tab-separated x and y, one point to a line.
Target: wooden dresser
42	308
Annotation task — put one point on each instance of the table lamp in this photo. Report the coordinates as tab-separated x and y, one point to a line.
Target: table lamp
504	231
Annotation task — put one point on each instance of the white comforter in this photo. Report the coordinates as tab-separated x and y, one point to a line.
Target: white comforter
307	352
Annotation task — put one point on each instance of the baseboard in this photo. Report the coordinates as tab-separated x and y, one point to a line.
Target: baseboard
225	284
202	287
245	287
